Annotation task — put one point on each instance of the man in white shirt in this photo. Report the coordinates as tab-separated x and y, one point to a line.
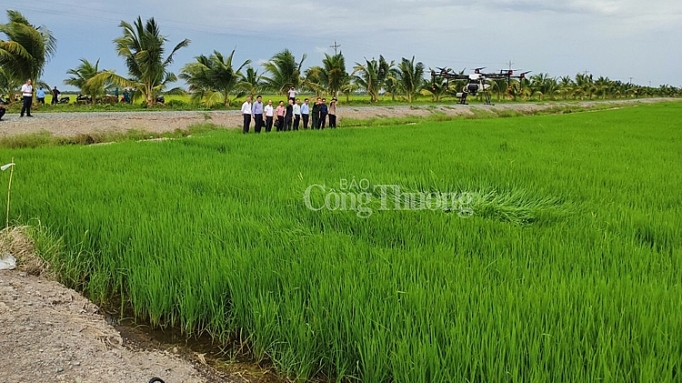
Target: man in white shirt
292	94
305	113
297	113
246	112
27	93
269	114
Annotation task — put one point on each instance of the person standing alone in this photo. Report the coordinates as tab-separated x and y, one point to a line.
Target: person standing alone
246	113
27	94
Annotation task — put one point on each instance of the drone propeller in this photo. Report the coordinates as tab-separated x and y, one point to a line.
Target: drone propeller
478	70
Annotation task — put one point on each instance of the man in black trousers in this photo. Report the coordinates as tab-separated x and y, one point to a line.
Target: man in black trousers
246	113
258	113
27	93
323	113
289	115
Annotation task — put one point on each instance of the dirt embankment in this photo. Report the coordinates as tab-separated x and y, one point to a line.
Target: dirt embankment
75	123
49	333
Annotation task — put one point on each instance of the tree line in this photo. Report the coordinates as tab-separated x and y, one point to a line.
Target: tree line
215	79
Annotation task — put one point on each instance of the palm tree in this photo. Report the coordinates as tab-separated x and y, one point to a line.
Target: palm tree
142	46
212	78
283	71
410	77
333	73
372	75
348	88
26	51
251	82
603	86
584	85
312	80
81	75
565	86
7	84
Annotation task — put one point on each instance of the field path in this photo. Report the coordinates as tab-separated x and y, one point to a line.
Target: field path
70	124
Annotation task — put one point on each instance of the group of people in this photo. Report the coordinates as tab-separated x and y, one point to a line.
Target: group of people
288	117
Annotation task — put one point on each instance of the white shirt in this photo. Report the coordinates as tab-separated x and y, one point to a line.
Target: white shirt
246	107
269	111
297	109
292	94
26	90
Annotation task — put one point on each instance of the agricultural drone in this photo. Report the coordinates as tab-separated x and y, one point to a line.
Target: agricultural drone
477	82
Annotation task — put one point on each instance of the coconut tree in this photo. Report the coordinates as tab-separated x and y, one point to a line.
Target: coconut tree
584	86
565	86
348	88
372	75
142	47
213	78
313	80
25	51
283	72
603	86
80	76
410	77
333	72
251	82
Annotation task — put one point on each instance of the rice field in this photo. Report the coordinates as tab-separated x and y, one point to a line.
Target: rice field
558	261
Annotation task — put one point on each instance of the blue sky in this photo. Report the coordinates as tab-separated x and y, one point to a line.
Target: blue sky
625	40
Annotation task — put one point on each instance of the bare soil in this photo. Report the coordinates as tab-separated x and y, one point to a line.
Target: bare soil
71	124
49	333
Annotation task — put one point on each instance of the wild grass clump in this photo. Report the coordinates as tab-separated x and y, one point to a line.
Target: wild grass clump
45	138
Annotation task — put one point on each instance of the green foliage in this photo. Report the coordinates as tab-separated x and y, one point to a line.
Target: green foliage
283	72
566	270
212	79
26	50
142	47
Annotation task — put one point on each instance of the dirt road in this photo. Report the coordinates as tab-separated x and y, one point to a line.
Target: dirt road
74	123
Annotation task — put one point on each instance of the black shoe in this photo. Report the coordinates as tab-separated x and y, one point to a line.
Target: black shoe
29	115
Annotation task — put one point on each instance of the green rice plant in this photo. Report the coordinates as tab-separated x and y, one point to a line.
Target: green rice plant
567	268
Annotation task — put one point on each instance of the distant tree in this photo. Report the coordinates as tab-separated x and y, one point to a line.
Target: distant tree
213	78
283	72
371	76
25	51
81	75
410	77
603	86
313	81
333	73
142	47
251	82
584	86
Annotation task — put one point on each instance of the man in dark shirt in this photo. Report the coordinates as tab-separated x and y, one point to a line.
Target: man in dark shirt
289	115
55	95
316	113
2	109
323	113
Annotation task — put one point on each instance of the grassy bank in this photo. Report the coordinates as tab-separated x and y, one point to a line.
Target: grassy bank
568	269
